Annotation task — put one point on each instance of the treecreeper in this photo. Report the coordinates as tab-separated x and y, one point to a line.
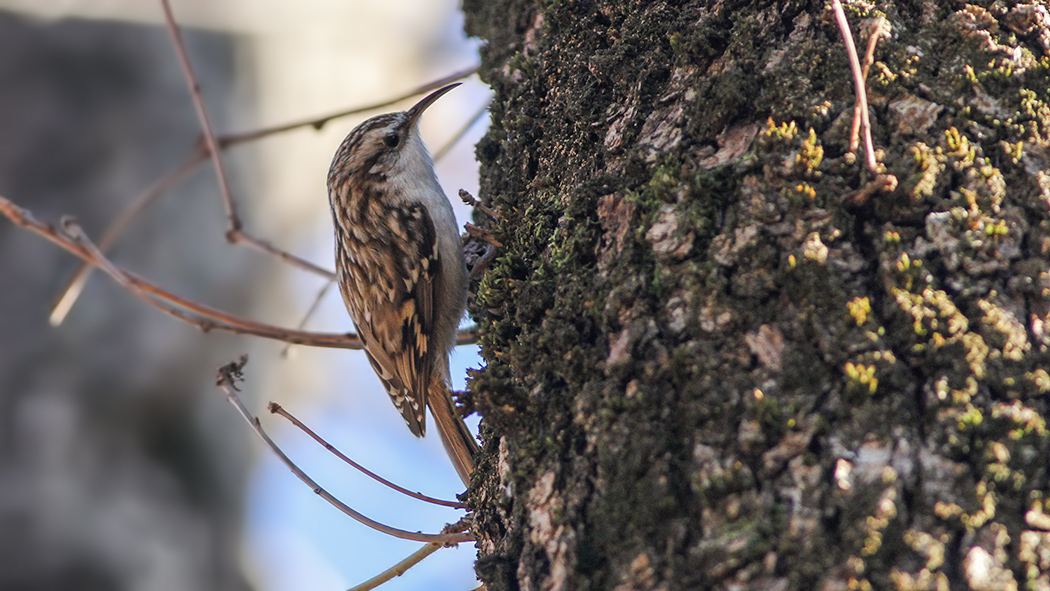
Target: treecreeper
400	268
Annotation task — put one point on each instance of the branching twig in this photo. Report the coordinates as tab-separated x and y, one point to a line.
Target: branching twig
858	86
232	219
199	315
229	375
234	232
76	283
278	409
204	317
869	59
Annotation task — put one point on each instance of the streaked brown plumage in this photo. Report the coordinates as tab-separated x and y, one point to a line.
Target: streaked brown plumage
400	268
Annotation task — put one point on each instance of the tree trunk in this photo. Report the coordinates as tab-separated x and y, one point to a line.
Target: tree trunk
716	358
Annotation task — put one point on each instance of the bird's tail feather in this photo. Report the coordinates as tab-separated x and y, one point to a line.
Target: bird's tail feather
460	445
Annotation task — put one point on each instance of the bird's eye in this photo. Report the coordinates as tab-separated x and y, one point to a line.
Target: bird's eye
391	140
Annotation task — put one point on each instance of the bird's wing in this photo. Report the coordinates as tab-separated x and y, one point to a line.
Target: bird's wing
395	323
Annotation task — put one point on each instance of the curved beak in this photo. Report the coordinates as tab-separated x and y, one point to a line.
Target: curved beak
418	108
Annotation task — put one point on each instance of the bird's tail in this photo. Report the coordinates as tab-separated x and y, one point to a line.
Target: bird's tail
460	445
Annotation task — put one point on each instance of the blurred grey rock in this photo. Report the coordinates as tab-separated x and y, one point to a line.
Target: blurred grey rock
113	474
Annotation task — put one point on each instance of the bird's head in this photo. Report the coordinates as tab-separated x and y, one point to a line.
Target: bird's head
386	145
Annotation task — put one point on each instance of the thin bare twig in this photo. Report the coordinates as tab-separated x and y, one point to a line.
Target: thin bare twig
76	283
398	569
199	315
482	264
234	232
203	317
859	89
878	31
232	219
228	376
415	558
470	200
482	234
278	409
319	122
869	55
314	306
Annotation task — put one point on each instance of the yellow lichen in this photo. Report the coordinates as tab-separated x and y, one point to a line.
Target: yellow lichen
859	308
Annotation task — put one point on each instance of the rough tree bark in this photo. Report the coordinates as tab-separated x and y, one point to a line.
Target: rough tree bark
713	361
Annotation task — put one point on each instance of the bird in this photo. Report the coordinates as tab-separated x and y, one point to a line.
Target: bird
401	270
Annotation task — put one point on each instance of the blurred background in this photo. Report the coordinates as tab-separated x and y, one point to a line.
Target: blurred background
121	465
